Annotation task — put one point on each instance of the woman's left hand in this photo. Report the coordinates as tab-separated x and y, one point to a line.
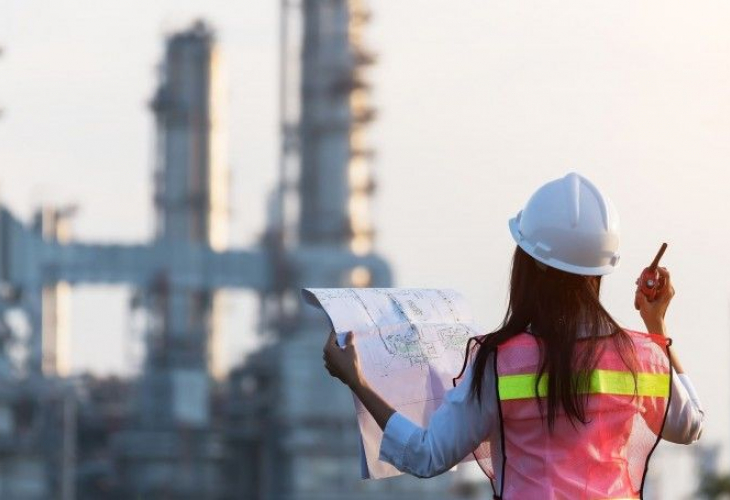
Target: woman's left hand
342	363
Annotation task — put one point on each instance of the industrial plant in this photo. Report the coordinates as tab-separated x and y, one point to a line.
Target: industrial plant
274	428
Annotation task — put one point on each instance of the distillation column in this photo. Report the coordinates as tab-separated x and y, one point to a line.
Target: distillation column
316	456
191	205
311	440
335	179
173	451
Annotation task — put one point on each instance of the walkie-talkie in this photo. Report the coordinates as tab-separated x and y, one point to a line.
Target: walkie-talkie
650	282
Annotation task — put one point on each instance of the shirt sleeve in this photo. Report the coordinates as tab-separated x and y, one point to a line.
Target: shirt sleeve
455	429
685	417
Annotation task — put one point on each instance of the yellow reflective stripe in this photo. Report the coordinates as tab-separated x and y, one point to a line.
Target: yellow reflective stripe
522	386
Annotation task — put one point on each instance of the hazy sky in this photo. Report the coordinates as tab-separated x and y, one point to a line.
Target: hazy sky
480	103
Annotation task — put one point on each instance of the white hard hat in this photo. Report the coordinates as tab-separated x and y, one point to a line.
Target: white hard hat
570	225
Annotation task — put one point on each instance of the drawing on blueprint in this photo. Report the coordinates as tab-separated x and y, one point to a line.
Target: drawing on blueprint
419	350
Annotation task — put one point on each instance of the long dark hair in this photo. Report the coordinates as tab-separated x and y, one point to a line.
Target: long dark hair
556	305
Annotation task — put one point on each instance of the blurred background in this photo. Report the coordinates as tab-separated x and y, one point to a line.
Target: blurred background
172	172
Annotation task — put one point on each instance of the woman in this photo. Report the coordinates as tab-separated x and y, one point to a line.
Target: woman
560	402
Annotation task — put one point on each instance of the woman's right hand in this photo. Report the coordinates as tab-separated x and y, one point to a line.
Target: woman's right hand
653	312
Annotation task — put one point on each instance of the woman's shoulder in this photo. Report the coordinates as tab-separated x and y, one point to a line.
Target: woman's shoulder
650	348
647	339
522	339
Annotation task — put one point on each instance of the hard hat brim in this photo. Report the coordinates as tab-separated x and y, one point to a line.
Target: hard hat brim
514	227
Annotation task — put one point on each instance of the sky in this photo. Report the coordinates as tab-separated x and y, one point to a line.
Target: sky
479	104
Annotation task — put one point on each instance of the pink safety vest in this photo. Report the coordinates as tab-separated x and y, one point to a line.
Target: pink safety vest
605	459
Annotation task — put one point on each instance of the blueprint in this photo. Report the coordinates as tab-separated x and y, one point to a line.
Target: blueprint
411	343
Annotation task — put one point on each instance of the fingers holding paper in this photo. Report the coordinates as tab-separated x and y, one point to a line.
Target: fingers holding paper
342	362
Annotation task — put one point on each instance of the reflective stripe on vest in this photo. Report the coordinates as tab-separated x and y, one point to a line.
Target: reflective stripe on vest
621	383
